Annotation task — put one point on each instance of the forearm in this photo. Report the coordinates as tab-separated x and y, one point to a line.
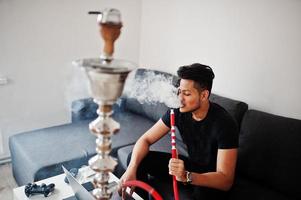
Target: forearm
141	147
140	150
216	180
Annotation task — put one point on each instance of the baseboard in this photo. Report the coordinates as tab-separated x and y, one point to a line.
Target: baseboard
5	160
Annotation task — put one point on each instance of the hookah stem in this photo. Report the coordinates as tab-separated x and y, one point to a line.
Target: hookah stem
174	151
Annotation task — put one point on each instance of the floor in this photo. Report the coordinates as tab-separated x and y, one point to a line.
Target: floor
7	182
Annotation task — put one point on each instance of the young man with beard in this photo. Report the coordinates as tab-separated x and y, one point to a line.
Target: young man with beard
208	130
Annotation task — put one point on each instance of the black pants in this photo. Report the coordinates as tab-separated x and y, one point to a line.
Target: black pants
154	170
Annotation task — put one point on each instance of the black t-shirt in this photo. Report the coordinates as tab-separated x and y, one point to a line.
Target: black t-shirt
218	130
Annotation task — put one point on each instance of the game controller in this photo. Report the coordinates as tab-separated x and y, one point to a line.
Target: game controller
32	189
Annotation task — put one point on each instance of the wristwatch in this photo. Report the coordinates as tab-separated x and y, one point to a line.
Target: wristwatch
188	177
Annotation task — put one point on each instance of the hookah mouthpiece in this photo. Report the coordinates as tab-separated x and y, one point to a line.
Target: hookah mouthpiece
94	12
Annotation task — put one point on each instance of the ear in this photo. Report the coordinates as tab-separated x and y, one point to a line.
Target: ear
204	95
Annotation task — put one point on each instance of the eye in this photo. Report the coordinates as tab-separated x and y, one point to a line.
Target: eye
186	93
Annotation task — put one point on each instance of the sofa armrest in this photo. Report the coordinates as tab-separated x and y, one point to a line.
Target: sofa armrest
83	109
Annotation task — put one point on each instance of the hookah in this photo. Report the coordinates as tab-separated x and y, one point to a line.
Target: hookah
106	77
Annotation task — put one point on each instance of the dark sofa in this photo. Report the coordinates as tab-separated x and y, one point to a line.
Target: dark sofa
269	158
268	161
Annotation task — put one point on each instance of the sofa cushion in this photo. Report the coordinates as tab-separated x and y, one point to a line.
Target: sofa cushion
132	126
151	111
235	108
83	109
269	151
163	145
123	154
39	154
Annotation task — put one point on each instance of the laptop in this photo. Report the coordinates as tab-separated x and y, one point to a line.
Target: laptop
79	191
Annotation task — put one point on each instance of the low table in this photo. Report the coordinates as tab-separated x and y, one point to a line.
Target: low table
62	189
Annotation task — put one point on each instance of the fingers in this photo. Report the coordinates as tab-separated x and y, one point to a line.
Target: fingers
176	168
127	176
120	188
175	163
132	191
123	191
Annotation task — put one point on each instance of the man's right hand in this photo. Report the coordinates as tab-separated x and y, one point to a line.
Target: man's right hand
129	175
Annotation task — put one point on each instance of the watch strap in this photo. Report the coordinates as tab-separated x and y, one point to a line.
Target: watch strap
188	177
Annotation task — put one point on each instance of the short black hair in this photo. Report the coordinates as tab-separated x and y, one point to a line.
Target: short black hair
201	74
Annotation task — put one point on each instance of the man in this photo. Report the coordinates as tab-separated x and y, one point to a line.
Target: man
210	133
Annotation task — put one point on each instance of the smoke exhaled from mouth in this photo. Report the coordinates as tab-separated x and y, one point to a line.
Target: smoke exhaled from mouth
77	85
153	88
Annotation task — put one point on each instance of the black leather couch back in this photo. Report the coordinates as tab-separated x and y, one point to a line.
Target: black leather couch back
270	152
235	108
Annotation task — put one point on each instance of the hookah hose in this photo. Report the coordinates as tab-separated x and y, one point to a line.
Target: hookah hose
174	151
143	186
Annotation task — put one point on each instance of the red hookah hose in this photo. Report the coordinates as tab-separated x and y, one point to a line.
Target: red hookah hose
174	151
144	186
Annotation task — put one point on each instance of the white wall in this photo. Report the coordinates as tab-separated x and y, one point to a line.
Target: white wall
254	46
38	41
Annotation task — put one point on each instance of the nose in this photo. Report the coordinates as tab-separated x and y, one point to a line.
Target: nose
181	97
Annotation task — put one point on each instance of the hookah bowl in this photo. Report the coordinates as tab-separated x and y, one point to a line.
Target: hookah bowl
106	81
